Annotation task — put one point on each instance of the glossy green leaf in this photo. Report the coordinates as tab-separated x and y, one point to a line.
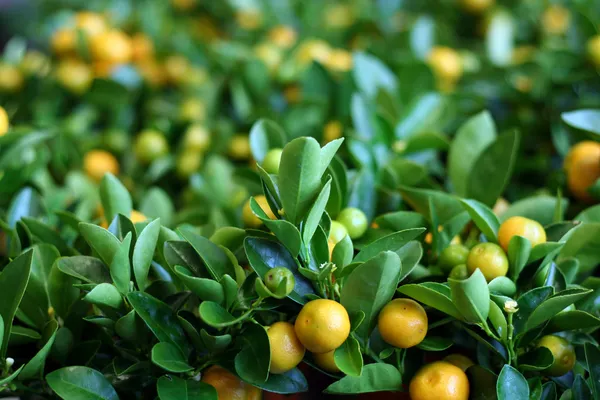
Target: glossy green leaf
215	258
81	383
447	206
572	320
435	343
537	359
13	282
553	305
156	204
62	293
285	231
115	197
253	361
502	285
173	388
343	252
528	302
538	208
484	218
36	299
205	289
169	358
84	268
348	357
264	136
498	320
287	383
482	383
511	385
392	242
215	315
120	268
519	249
35	366
105	294
101	240
375	377
215	343
26	203
20	335
432	294
581	390
370	74
592	357
370	287
316	211
11	377
472	297
45	234
143	253
586	119
582	244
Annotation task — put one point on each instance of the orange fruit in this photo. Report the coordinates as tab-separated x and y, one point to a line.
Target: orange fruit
252	221
112	46
96	163
229	386
322	325
326	361
489	258
582	166
520	226
142	47
403	323
446	63
90	22
441	381
286	349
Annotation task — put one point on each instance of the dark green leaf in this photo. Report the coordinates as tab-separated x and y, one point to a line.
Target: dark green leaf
174	388
484	218
392	242
81	383
35	367
120	268
143	253
537	359
169	358
285	231
287	383
572	320
519	249
253	361
375	377
553	305
87	269
435	343
511	385
316	211
105	294
592	357
101	240
216	316
215	258
205	289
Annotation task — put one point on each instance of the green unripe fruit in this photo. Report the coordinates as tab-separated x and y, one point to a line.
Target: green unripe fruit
188	162
337	232
274	278
452	256
150	145
354	220
563	352
459	272
272	160
117	141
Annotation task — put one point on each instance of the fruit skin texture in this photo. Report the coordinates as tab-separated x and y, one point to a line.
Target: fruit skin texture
403	323
229	386
286	349
451	256
489	258
150	145
520	226
462	362
582	165
563	352
593	49
272	160
252	221
322	325
3	121
354	220
275	276
326	362
96	163
441	381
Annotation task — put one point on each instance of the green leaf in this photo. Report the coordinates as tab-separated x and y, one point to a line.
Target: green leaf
129	326
591	214
537	359
45	234
370	287
316	212
101	240
115	197
492	170
370	75
143	253
392	242
169	358
62	293
327	153
432	294
26	203
472	297
120	268
548	391
433	343
290	382
215	315
215	343
348	357
161	320
215	258
156	204
482	383
519	249
253	361
174	388
121	226
511	385
375	378
20	335
581	390
285	231
87	269
583	243
587	120
592	357
205	289
299	176
484	218
81	383
528	302
538	208
553	305
544	249
35	367
503	286
498	320
264	136
343	252
571	320
472	138
13	282
105	294
36	298
447	206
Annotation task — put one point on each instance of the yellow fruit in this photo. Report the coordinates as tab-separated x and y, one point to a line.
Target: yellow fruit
229	386
270	55
196	138
446	63
150	145
249	19
593	49
102	69
142	48
11	78
112	47
96	163
91	23
152	72
239	147
252	221
520	226
462	362
332	131
337	232
188	162
582	166
403	323
64	41
339	16
326	362
286	349
489	258
313	50
3	121
441	381
476	6
137	217
35	63
563	352
74	75
339	60
283	36
322	325
192	110
556	19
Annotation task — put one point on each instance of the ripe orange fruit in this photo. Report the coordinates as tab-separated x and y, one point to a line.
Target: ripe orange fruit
462	362
441	381
3	121
520	226
489	258
96	163
74	75
112	46
64	41
142	47
322	325
229	386
403	323
11	78
326	361
286	349
252	221
563	352
582	166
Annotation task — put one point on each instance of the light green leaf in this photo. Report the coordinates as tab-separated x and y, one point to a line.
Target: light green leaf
143	253
173	388
105	294
374	378
471	297
348	357
484	218
115	197
120	268
102	241
169	358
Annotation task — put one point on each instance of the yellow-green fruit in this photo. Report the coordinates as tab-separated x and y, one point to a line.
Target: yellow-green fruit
188	162
3	121
489	258
563	352
354	220
593	49
11	78
150	145
337	232
452	256
196	138
272	160
322	325
286	349
403	323
275	277
459	272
